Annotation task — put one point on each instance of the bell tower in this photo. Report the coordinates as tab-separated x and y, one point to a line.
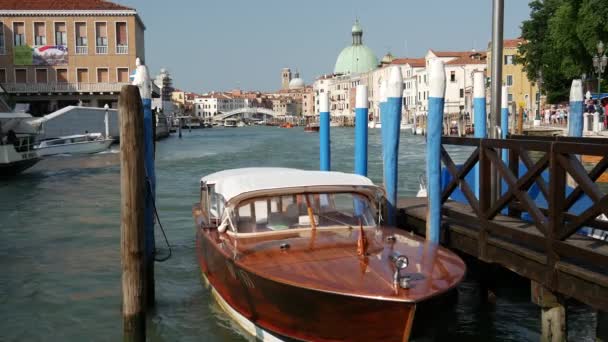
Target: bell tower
285	78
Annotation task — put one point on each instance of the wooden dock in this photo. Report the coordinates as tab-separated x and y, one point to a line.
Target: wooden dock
545	247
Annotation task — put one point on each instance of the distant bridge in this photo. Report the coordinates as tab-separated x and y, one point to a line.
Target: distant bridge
245	112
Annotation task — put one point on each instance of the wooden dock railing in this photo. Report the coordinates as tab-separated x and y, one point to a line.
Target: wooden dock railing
532	235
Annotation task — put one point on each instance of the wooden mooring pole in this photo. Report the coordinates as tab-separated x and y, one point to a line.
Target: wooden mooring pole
132	190
553	314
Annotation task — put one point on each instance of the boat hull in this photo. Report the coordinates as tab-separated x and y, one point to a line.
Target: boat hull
13	168
87	147
297	312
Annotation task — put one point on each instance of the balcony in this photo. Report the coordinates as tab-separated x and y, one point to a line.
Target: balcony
122	49
62	87
102	50
46	88
82	50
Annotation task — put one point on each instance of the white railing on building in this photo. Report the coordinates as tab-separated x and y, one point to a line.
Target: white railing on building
122	49
62	87
82	50
101	49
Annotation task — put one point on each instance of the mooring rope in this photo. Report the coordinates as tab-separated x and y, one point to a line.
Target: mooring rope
159	224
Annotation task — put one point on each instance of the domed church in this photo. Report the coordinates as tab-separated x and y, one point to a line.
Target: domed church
357	58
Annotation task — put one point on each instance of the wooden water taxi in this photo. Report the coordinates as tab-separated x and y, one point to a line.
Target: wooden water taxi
301	255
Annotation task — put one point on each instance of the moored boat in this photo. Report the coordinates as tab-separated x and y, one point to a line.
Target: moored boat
75	144
300	254
230	123
313	128
17	137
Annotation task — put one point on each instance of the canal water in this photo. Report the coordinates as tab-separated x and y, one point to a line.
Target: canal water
60	243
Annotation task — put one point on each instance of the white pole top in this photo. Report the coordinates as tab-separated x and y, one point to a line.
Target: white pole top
383	86
479	88
576	91
323	102
437	78
395	83
505	97
361	100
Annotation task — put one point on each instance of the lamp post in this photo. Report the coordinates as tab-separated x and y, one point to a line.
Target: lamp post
599	64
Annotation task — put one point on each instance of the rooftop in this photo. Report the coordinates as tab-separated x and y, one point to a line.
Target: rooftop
414	62
235	182
66	5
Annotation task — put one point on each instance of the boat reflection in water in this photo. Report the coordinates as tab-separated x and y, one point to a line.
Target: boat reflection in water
300	254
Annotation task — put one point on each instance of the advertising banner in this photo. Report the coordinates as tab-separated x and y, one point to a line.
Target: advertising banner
47	55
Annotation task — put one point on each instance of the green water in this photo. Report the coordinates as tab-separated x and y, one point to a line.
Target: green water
60	251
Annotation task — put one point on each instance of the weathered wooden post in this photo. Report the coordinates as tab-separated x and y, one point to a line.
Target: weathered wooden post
361	111
132	190
520	121
391	126
179	127
142	80
433	148
553	313
324	138
479	109
576	109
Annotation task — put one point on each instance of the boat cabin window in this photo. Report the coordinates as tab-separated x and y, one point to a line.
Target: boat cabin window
215	203
266	214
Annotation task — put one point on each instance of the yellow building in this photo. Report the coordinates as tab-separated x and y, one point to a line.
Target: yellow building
521	90
55	53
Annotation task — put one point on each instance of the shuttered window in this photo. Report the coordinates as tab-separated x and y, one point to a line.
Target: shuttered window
101	33
21	76
82	75
41	76
19	34
61	35
81	34
121	33
39	34
102	76
62	75
2	75
122	75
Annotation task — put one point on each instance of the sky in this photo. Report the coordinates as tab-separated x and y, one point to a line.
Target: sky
222	45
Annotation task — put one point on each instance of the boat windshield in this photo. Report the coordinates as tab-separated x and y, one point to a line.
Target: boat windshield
276	213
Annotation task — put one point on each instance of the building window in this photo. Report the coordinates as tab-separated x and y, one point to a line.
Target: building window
62	76
452	76
18	34
82	75
41	76
2	44
122	75
101	38
509	80
2	75
61	35
122	46
39	34
510	98
20	75
461	93
102	75
508	59
81	38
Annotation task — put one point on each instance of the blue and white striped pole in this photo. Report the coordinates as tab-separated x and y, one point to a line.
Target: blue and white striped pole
324	143
479	110
575	117
504	120
382	92
391	127
433	148
361	112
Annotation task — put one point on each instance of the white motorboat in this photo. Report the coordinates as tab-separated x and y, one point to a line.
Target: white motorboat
75	144
17	137
374	124
407	127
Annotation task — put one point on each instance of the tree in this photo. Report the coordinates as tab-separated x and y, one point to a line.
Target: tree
561	38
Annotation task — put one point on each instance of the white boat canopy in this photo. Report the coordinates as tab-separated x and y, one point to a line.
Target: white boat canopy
236	182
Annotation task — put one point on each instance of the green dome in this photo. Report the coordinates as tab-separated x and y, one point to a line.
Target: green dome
355	59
